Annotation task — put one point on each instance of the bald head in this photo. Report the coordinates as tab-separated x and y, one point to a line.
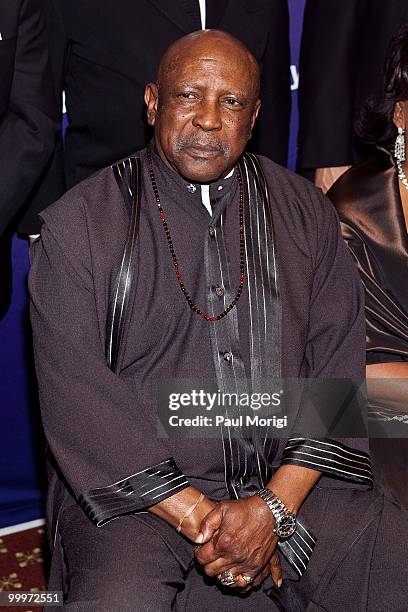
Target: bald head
210	45
204	104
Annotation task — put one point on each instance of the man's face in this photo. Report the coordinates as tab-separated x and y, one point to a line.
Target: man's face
203	112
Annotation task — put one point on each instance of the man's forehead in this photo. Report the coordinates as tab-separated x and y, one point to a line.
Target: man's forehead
218	54
204	68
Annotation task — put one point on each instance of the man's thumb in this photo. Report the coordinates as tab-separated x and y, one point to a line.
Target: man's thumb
209	526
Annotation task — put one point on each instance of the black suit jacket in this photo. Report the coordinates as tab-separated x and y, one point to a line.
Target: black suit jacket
104	53
342	55
28	109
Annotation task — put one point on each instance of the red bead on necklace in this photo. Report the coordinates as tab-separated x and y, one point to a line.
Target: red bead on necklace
177	270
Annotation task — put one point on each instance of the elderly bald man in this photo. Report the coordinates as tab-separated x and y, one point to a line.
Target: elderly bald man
191	260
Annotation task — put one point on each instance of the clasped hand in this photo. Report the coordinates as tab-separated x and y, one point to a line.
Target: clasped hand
238	536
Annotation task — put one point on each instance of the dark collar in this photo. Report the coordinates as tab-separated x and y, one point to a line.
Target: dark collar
219	190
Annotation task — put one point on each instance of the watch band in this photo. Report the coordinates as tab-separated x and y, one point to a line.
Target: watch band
299	548
276	505
280	512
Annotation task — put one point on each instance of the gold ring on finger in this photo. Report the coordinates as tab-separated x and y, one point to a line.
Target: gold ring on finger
227	578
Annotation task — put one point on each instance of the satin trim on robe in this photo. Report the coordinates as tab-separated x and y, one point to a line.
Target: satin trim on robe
243	456
128	178
331	457
264	303
143	489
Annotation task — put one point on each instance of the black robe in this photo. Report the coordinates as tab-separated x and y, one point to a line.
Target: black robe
100	426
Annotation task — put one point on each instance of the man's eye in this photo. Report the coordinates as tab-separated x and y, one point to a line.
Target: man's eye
186	95
232	102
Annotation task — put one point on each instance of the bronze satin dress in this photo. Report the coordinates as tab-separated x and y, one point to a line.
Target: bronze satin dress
367	199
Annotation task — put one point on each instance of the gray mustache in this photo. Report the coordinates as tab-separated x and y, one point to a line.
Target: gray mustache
213	144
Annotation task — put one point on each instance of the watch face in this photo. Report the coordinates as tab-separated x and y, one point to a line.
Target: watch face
286	526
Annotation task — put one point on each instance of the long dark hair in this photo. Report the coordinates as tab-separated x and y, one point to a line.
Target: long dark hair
375	124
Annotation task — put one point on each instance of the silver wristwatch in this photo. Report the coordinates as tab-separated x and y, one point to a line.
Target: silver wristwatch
285	520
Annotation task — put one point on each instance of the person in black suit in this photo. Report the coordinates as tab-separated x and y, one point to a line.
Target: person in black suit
28	128
342	54
104	54
28	111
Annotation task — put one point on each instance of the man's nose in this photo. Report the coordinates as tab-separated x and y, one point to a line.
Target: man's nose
208	116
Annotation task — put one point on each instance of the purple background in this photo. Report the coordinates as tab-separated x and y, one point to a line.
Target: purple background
21	446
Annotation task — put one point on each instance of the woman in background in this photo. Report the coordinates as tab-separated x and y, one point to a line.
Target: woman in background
372	202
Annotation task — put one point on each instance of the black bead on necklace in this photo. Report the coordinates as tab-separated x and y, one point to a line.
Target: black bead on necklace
179	277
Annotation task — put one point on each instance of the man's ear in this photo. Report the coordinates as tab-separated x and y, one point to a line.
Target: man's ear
151	98
255	113
253	117
399	115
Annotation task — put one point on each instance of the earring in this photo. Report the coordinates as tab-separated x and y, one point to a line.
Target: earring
399	150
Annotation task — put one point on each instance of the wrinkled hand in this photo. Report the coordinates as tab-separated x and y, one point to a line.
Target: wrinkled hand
238	536
273	568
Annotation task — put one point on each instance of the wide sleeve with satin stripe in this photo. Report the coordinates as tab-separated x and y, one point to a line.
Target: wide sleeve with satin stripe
140	490
335	350
111	459
331	457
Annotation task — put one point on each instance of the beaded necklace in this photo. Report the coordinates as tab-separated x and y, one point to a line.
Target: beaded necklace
179	277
